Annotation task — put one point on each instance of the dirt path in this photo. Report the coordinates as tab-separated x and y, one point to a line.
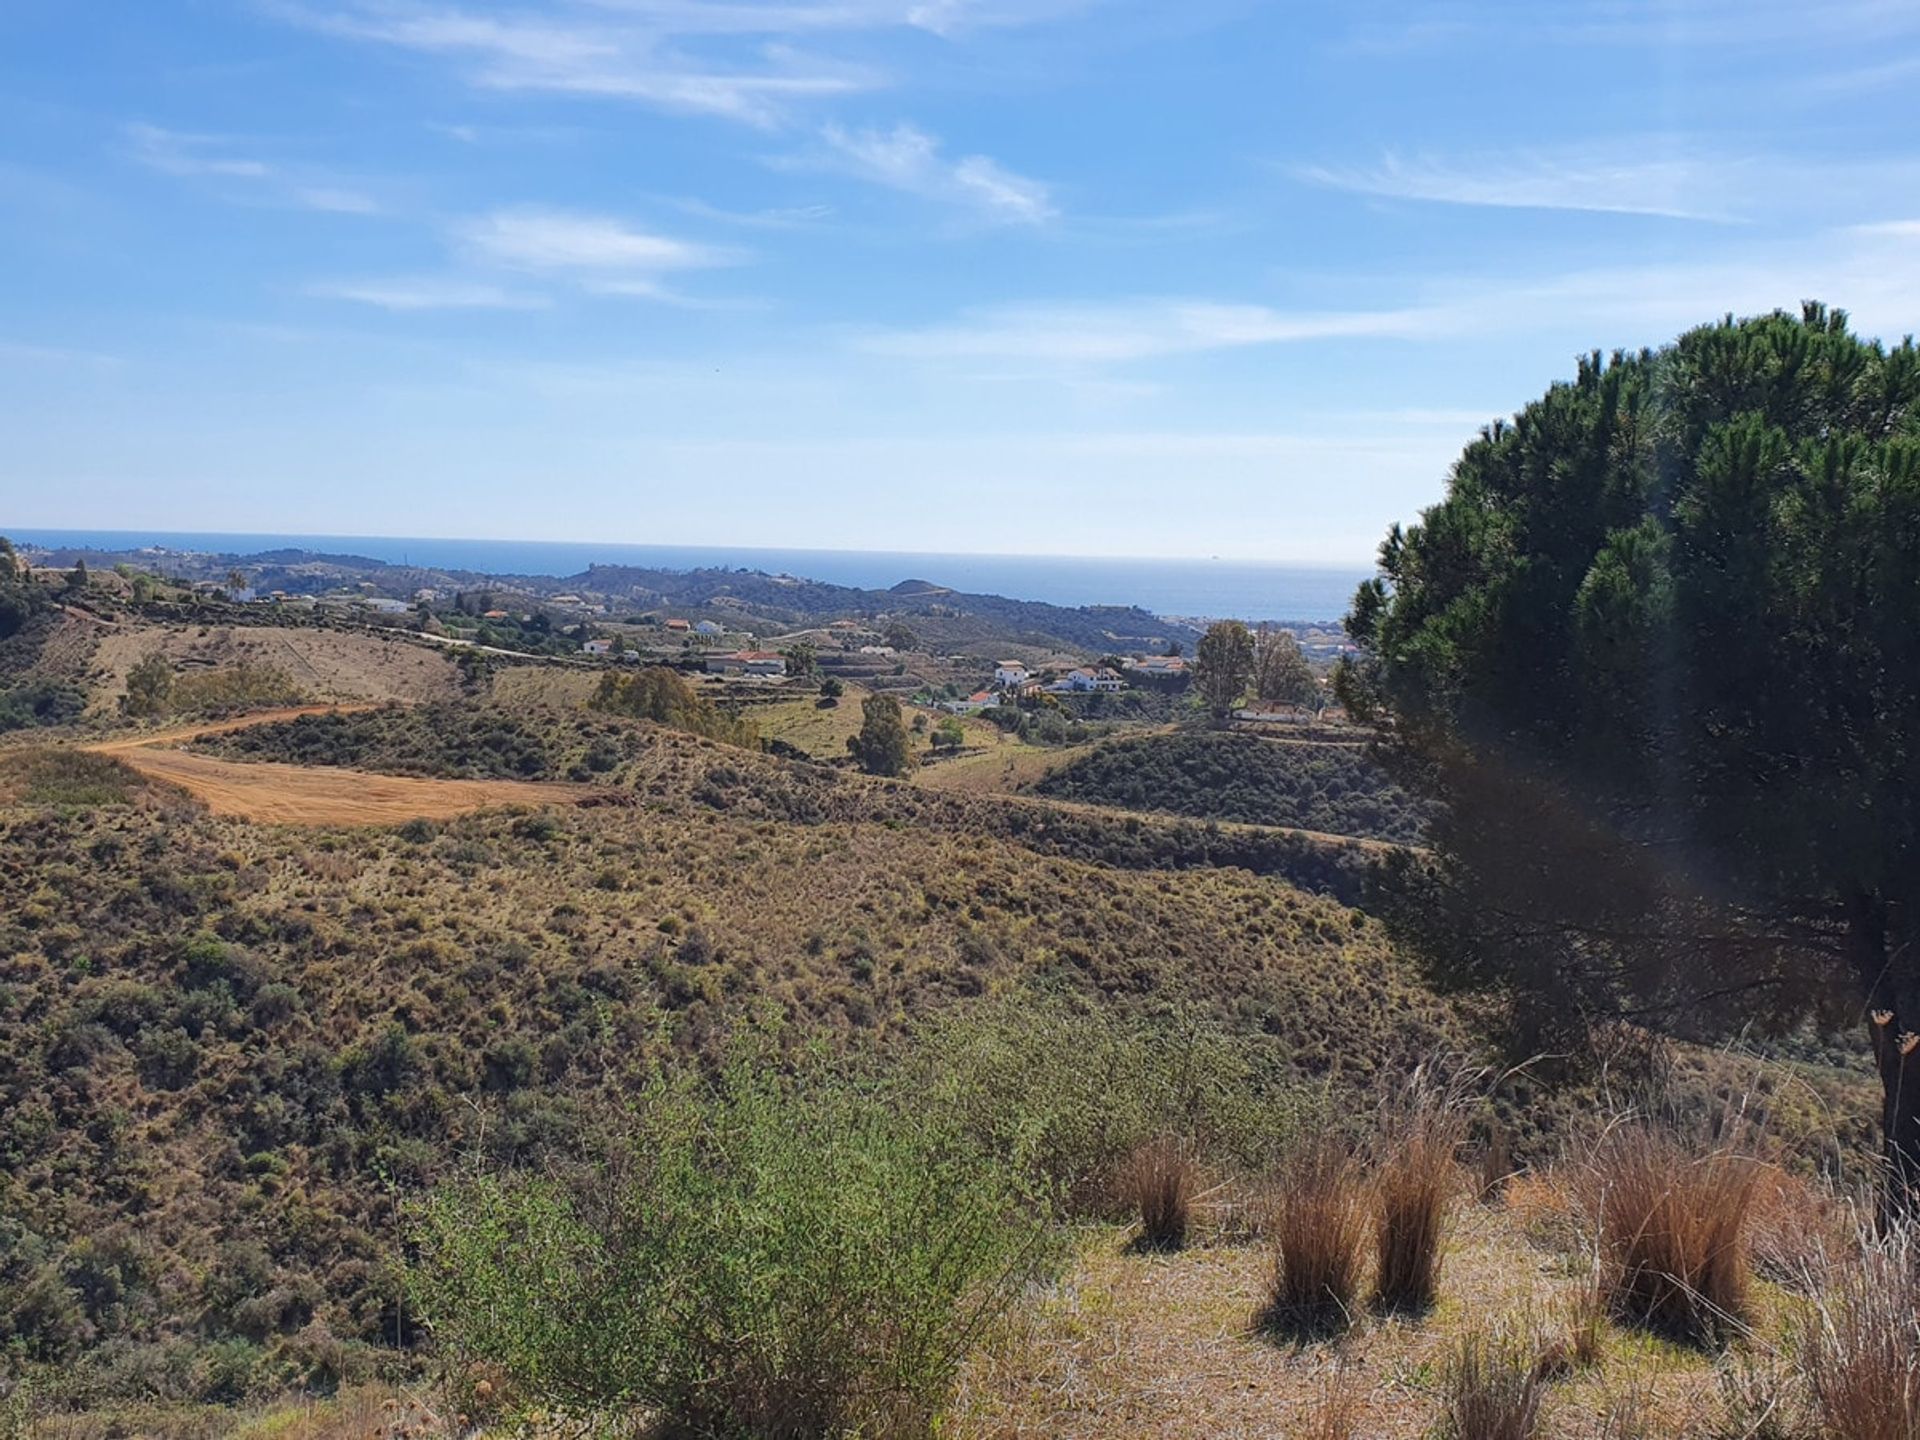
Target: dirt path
178	733
277	794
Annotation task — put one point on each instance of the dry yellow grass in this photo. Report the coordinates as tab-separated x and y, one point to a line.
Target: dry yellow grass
1164	1346
1001	767
802	721
328	664
519	686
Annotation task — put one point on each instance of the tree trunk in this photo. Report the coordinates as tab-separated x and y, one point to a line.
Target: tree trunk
1893	1025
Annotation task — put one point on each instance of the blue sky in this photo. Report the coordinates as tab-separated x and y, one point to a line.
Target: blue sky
1047	276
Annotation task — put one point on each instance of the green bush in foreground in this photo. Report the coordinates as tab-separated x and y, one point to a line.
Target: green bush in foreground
762	1257
1069	1091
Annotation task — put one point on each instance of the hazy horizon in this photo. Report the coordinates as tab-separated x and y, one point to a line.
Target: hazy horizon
383	538
1211	588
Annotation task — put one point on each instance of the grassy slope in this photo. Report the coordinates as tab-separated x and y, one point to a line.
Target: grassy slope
239	1116
1230	776
328	664
479	742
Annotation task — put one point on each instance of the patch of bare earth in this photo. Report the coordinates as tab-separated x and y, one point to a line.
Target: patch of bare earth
277	794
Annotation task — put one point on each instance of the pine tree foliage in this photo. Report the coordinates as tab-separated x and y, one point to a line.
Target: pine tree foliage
1658	651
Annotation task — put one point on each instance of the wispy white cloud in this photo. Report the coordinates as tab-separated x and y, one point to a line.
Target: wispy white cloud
733	60
608	56
543	248
418	293
557	240
1136	330
334	200
1871	270
908	159
24	353
217	158
173	152
787	217
1640	182
1723	25
1672	176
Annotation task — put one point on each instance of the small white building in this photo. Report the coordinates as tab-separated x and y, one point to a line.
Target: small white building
598	647
1162	666
768	663
973	704
1086	680
1010	674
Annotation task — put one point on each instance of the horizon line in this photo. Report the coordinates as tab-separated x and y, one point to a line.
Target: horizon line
155	535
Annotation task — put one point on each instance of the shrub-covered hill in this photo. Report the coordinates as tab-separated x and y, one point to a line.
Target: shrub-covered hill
660	766
1227	776
230	1054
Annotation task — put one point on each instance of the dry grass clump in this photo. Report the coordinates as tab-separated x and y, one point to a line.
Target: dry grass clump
1336	1412
1415	1189
1320	1232
1494	1167
1671	1226
1159	1181
1797	1228
1862	1360
1544	1206
1758	1398
1577	1327
1492	1389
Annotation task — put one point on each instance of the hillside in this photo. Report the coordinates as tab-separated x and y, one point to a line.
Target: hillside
663	767
231	1050
1231	776
946	620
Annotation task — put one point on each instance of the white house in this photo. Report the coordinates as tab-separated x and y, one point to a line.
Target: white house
770	663
1085	680
598	647
973	704
1010	674
1165	666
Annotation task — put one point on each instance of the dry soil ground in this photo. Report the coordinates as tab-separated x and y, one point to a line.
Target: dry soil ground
316	795
327	664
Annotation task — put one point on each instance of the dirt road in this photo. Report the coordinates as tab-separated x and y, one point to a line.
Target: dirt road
277	794
179	733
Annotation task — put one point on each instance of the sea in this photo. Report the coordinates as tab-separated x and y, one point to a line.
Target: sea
1212	589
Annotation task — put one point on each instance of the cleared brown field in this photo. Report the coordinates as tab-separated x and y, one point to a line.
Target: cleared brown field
276	794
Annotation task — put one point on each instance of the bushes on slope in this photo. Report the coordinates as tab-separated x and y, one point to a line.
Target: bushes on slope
764	1256
1242	778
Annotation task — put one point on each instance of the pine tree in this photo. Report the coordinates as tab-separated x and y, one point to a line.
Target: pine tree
1658	653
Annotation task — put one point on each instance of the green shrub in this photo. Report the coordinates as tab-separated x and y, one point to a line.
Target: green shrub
1225	776
69	777
1072	1089
665	697
763	1257
40	702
